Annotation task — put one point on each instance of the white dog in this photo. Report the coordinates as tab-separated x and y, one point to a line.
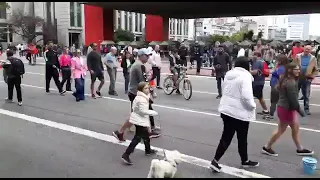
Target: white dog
166	168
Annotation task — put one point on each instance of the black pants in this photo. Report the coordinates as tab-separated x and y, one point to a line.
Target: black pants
141	133
219	81
52	73
14	82
199	63
126	77
230	126
184	61
151	118
156	74
66	77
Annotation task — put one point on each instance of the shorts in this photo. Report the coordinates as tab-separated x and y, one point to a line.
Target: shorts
131	98
174	71
285	115
258	91
98	75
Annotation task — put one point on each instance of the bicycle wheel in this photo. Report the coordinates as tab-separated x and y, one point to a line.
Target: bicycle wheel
187	89
168	85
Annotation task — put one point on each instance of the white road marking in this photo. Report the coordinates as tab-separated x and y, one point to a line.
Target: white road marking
110	139
177	109
200	92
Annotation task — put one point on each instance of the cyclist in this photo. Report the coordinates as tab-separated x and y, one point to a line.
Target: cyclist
174	60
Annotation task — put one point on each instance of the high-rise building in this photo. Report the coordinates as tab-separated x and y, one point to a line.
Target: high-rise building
298	27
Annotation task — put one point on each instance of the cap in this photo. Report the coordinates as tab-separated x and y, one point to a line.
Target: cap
78	51
144	51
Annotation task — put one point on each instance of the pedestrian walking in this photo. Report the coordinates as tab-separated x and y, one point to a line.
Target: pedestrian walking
110	60
137	75
237	108
65	66
95	67
52	69
139	118
222	63
126	63
279	70
14	70
79	69
288	106
309	70
155	59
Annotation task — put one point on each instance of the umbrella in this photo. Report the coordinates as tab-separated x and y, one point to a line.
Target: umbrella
107	43
227	43
245	43
133	43
153	43
123	43
201	43
164	43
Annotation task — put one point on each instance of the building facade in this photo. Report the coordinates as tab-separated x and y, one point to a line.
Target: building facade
298	27
136	23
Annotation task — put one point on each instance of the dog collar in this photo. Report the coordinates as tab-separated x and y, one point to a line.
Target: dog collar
174	164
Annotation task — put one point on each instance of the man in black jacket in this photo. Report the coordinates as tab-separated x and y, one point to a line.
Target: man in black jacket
13	80
52	69
222	64
196	54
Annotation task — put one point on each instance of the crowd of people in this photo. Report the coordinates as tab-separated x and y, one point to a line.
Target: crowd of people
239	80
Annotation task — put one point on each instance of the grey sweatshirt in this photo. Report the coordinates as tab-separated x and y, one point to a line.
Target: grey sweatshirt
136	76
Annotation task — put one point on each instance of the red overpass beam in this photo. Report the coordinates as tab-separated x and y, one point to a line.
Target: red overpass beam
157	28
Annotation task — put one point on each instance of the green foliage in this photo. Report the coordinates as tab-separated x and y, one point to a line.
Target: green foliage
123	35
4	5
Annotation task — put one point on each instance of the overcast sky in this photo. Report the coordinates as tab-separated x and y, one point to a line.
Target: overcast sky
314	28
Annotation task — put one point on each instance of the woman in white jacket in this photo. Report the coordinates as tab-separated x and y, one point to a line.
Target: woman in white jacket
237	108
140	118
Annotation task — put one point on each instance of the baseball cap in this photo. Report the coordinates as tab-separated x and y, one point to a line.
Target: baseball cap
144	51
78	51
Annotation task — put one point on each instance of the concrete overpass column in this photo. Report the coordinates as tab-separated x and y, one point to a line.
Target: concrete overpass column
122	23
165	28
175	29
133	22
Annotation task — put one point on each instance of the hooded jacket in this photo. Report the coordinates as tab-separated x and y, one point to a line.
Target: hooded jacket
237	100
140	114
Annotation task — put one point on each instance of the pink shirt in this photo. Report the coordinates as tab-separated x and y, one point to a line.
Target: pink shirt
79	67
65	60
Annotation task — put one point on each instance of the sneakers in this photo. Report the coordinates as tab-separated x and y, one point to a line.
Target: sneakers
214	166
118	135
307	112
218	97
304	152
249	164
99	94
93	96
269	152
154	134
62	93
9	100
151	152
156	128
20	103
126	159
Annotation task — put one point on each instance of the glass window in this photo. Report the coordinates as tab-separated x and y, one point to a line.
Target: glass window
130	21
72	23
136	16
79	15
3	14
141	19
125	21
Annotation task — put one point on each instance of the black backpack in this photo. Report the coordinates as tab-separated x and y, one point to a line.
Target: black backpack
17	66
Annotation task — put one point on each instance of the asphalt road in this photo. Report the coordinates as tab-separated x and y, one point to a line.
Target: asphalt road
54	136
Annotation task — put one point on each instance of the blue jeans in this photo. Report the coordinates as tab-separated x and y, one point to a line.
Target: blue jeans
305	86
79	84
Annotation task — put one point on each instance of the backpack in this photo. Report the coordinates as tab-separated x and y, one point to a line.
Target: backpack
17	67
265	71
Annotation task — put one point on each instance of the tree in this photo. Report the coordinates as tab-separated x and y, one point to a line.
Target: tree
25	26
4	5
123	35
220	38
260	35
236	37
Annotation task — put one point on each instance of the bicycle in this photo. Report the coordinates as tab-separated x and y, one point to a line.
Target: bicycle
183	78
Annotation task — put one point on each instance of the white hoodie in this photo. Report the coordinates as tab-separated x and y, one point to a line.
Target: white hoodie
237	97
140	114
